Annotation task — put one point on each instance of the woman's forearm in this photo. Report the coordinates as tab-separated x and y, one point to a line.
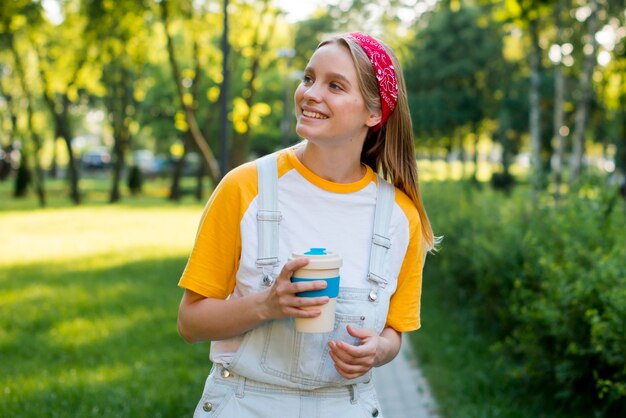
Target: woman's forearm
389	346
202	319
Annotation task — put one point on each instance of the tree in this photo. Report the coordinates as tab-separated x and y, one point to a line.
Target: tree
123	45
247	112
62	55
13	21
186	100
449	78
559	99
586	90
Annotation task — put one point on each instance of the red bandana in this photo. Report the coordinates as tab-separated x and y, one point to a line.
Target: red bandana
385	73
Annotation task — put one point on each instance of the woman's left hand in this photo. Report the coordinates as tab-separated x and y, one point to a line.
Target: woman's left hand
352	361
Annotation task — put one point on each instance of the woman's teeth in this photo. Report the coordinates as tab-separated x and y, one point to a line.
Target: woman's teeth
314	115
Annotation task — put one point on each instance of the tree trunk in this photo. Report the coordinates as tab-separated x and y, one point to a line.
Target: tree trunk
241	142
476	154
175	189
224	94
118	107
39	176
6	165
200	173
535	174
196	134
54	170
61	120
620	154
559	108
586	91
118	166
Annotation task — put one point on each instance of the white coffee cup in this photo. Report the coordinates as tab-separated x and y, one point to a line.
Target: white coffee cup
323	265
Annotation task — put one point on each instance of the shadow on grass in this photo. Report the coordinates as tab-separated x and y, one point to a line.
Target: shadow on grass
101	342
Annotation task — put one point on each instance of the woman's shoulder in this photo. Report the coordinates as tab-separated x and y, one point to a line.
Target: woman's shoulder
407	207
247	172
243	179
241	174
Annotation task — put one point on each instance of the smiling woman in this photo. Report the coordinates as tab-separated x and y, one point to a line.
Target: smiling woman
350	186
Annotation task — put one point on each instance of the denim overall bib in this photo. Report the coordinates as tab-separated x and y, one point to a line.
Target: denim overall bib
277	367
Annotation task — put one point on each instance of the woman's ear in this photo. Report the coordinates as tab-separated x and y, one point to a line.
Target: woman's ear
374	118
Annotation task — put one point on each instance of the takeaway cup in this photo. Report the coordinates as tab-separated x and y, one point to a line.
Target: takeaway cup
323	265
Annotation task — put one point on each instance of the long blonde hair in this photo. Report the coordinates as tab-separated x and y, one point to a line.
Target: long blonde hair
390	151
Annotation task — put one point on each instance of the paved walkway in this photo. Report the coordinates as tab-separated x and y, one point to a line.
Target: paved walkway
402	389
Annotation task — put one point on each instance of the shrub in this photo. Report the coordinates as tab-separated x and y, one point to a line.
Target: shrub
549	282
569	304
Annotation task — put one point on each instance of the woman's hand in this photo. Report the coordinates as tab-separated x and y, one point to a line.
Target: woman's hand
281	300
375	350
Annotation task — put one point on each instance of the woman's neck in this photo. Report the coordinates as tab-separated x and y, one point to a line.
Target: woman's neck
332	164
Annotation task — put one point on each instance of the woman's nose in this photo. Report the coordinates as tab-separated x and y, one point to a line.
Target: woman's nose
312	92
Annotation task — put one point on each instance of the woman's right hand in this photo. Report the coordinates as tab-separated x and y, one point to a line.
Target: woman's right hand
281	300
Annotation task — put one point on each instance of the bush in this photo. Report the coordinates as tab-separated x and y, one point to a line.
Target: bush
549	282
135	180
22	180
569	304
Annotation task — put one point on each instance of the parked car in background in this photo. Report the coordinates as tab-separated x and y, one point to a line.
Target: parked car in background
96	159
148	163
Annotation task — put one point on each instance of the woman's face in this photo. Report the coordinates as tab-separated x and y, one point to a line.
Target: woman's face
329	106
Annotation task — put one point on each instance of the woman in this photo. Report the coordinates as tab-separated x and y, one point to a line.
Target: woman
352	111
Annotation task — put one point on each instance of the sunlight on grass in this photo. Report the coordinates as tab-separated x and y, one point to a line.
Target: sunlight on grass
74	233
79	331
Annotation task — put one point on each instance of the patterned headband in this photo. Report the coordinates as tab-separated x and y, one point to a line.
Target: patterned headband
384	71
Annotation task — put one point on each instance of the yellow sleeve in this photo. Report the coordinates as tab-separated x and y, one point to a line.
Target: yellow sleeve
404	306
215	256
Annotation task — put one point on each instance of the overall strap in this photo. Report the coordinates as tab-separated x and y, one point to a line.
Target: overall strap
381	241
268	217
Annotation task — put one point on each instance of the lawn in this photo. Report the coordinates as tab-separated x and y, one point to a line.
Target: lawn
88	305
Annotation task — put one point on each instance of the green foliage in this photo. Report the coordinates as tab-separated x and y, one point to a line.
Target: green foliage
548	283
569	303
456	63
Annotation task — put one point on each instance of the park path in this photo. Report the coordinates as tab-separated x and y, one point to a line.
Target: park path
402	389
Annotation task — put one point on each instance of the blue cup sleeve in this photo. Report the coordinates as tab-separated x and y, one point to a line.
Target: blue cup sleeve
332	287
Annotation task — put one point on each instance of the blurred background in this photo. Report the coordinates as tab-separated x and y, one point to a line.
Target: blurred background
117	118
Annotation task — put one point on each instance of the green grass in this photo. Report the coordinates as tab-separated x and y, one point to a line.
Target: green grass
88	305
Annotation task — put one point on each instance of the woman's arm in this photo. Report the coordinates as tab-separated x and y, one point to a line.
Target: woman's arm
201	318
375	350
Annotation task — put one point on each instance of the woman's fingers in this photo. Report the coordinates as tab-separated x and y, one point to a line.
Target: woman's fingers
291	266
352	361
284	292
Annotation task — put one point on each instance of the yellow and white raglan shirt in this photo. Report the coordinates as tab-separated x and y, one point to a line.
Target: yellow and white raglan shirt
315	213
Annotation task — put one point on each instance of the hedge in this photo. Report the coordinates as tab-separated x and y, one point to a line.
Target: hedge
548	279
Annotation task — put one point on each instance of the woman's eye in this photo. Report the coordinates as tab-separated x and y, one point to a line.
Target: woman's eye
307	79
335	86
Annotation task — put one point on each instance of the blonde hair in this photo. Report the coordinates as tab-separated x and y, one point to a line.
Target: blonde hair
390	151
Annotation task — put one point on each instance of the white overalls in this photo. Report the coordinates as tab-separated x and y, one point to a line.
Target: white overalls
277	372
